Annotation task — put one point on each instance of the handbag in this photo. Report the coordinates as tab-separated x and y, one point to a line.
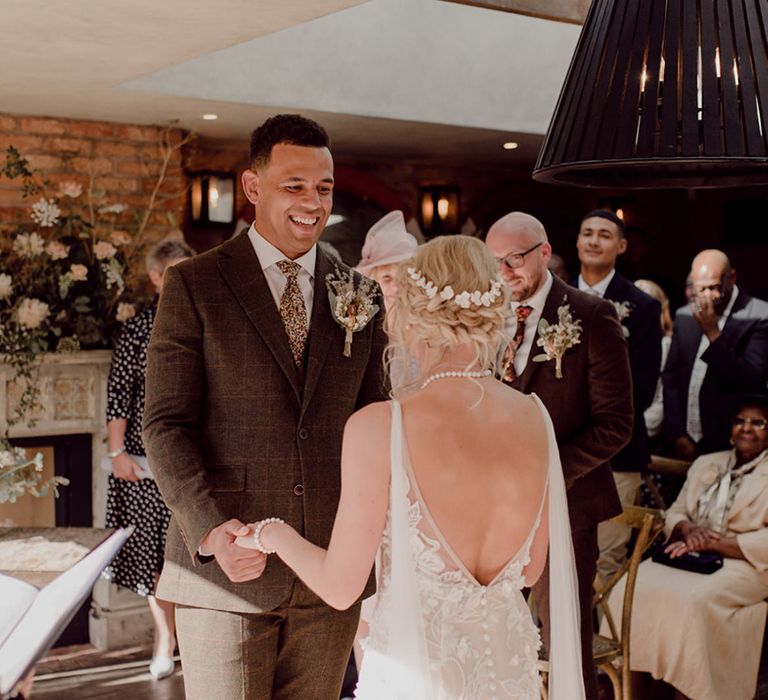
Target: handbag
697	562
143	462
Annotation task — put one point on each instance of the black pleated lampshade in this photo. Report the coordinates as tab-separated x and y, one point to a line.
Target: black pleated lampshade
663	93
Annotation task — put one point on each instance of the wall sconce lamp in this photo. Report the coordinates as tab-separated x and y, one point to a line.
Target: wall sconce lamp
212	199
439	209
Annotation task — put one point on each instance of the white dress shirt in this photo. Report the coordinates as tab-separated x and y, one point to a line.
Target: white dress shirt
600	288
698	372
536	302
269	256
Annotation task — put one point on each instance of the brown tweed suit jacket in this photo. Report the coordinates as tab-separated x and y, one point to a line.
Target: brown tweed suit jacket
233	429
591	406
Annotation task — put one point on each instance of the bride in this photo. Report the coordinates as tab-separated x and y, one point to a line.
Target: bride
458	481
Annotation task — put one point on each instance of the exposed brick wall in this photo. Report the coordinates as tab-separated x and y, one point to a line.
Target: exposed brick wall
121	160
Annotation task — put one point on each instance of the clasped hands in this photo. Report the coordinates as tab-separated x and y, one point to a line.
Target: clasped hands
228	542
693	538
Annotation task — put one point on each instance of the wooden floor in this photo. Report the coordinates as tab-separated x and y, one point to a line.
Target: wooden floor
81	673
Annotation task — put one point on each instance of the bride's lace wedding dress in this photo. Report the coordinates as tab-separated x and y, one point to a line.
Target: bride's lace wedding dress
436	632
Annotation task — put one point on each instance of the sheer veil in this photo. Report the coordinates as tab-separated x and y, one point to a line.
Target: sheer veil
565	674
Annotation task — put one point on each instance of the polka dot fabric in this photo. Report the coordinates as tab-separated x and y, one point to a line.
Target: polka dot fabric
134	503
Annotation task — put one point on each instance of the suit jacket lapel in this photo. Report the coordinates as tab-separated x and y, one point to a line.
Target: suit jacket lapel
322	328
242	272
553	301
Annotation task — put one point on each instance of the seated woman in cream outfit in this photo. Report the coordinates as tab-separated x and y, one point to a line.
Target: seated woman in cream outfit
459	480
702	633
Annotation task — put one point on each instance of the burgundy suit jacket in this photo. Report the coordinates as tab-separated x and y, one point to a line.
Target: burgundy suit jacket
591	406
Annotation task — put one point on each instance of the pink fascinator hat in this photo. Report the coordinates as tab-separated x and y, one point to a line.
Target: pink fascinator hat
386	243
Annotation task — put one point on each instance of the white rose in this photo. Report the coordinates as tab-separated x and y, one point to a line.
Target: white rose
125	311
70	189
79	273
32	312
104	250
27	245
6	286
56	250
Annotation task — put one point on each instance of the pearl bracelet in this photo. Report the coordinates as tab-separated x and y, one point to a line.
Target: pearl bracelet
257	533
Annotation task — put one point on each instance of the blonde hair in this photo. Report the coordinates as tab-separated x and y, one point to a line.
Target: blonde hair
652	289
427	328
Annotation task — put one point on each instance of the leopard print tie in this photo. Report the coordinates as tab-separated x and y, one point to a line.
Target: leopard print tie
293	311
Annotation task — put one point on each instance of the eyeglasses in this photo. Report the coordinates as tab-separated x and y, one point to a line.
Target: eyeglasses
515	260
756	423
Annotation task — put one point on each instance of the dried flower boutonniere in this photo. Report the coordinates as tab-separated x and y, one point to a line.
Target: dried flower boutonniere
556	338
623	309
351	307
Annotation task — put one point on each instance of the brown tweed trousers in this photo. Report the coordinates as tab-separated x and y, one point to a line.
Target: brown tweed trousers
234	430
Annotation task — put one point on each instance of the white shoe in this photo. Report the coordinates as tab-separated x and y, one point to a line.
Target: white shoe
161	667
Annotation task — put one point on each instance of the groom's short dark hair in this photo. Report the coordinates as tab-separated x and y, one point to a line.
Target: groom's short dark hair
291	129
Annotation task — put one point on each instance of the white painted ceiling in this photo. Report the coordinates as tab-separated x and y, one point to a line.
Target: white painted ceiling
416	79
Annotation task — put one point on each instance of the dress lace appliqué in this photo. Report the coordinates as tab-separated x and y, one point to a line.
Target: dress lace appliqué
481	641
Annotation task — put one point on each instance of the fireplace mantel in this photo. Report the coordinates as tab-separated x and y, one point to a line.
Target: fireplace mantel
73	400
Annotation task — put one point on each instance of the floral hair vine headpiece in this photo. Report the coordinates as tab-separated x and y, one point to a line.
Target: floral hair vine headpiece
462	299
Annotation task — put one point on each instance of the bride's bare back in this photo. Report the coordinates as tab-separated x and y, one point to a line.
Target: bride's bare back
481	470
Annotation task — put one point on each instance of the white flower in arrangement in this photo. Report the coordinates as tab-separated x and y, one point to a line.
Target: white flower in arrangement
57	250
125	311
118	238
463	300
28	245
115	208
104	250
6	286
46	212
32	312
79	272
70	189
447	293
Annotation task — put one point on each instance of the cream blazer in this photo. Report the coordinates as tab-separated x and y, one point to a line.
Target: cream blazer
748	517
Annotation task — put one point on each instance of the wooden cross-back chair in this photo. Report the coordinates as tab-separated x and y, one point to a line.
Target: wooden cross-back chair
608	650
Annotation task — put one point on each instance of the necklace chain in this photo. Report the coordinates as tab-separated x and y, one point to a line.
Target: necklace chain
455	373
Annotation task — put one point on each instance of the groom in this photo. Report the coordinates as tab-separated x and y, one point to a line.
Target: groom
248	391
590	405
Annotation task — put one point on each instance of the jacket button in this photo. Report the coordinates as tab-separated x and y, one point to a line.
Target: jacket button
298	489
303	433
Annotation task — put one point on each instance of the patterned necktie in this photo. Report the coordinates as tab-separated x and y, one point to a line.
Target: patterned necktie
293	311
522	312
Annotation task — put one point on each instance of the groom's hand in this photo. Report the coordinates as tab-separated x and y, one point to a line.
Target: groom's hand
238	563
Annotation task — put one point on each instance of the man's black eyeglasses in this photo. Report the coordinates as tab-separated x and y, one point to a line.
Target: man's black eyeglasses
515	260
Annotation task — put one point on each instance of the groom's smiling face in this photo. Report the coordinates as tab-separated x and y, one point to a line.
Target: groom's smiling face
293	196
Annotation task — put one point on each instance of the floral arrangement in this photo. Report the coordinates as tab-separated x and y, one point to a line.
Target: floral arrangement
68	280
623	310
556	338
352	307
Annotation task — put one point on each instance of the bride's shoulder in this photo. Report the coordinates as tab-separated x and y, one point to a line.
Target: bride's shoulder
371	418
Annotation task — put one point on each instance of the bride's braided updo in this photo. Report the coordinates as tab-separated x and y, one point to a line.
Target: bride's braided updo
431	314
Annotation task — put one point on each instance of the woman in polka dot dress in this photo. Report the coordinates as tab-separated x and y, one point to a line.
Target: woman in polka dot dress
133	497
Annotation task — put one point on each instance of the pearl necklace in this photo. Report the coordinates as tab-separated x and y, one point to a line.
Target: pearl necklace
455	373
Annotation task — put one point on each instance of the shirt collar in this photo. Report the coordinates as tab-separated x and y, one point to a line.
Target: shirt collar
600	287
539	298
268	255
731	302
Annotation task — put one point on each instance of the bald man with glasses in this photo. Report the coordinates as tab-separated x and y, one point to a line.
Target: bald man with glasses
590	404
